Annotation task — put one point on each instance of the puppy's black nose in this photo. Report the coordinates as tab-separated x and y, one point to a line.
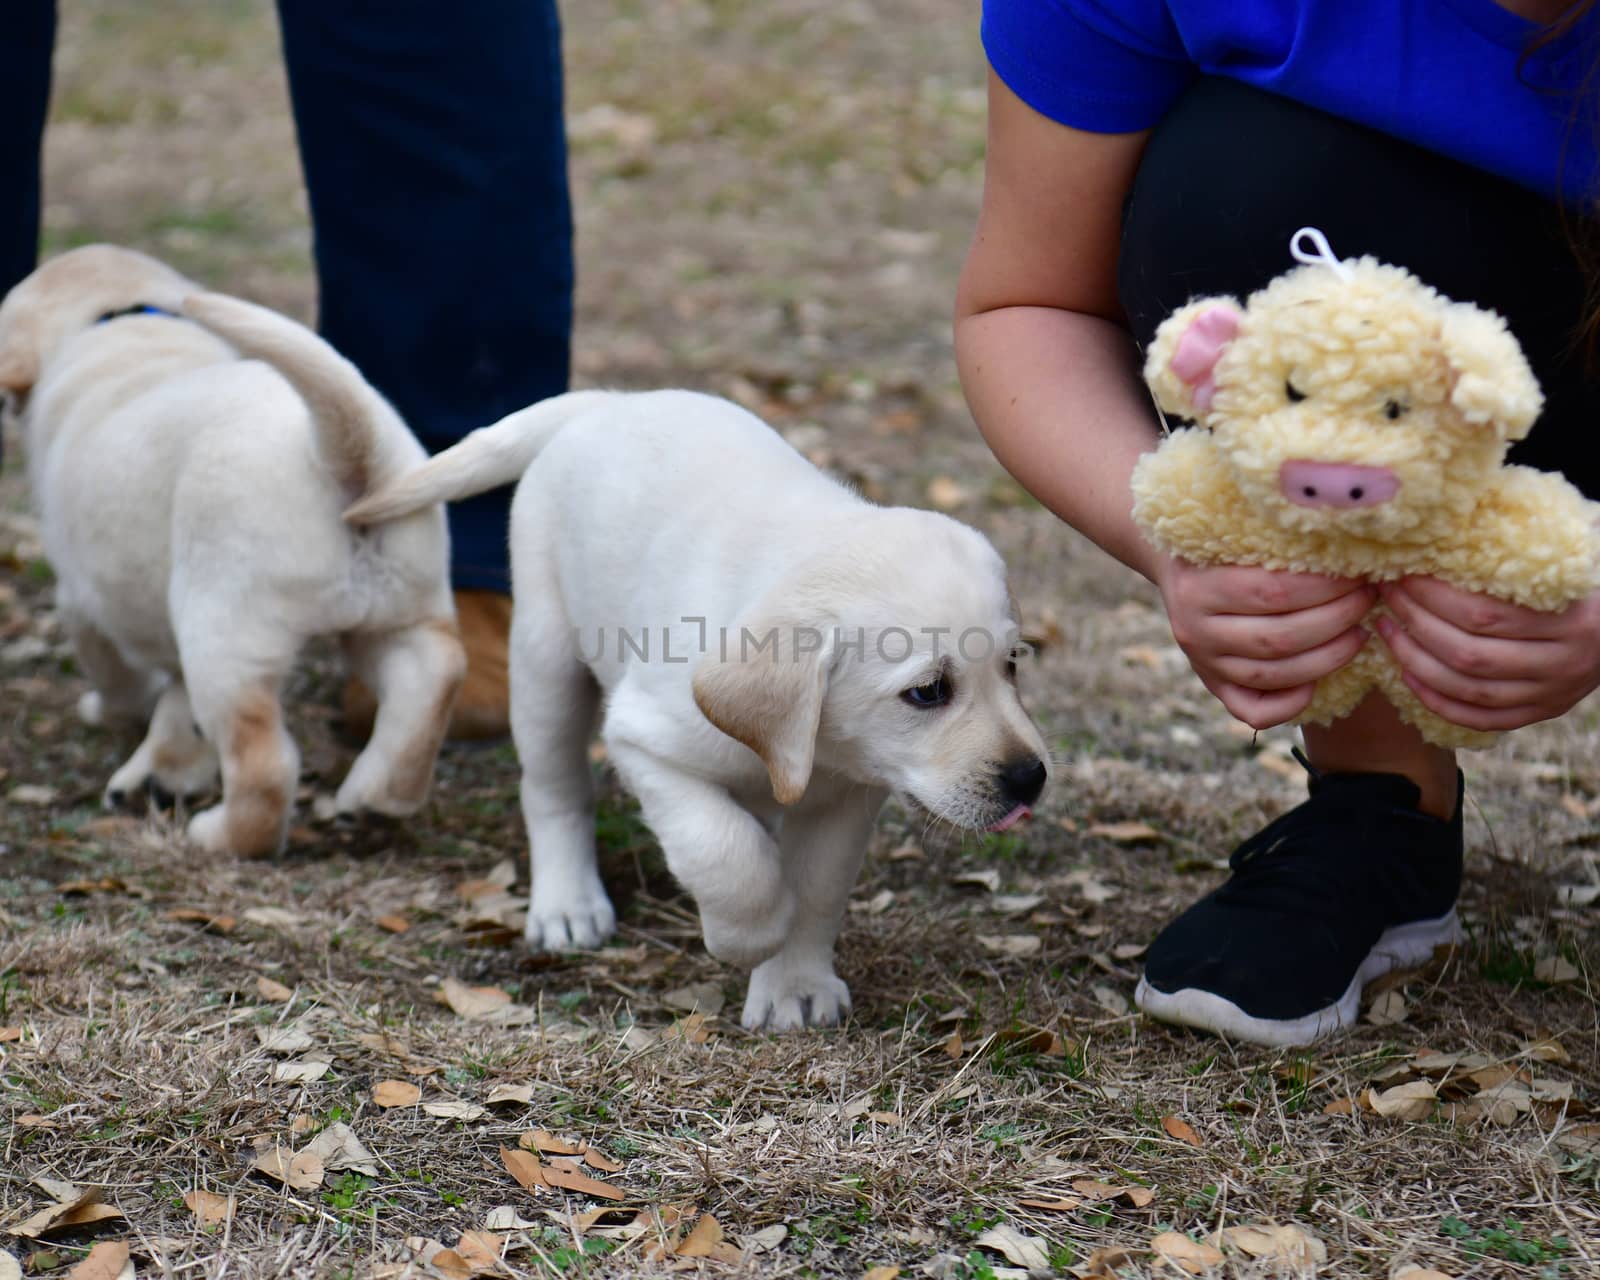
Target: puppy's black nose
1022	780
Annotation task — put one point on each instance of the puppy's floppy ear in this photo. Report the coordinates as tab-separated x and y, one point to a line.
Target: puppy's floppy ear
19	360
764	687
1492	380
1182	364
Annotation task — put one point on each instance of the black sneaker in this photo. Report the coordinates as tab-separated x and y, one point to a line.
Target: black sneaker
1345	887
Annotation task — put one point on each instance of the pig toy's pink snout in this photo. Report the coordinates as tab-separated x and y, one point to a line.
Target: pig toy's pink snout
1339	485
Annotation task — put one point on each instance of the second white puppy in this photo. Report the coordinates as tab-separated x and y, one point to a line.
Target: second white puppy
775	653
189	456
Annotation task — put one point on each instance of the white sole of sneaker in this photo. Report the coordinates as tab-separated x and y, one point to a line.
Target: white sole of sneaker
1399	948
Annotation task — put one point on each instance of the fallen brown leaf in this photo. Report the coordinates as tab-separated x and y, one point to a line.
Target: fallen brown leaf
571	1179
1184	1253
1090	1189
504	1217
1556	969
280	918
702	1241
454	1109
1123	832
451	1265
393	923
79	1210
306	1071
82	888
1547	1050
544	1140
525	1168
479	1250
302	1171
471	1002
267	989
284	1040
1288	1243
1104	1263
1388	1009
769	1238
1109	998
1016	1248
705	998
1011	944
395	1093
882	1273
1181	1130
338	1148
1581	1139
614	1215
29	793
1413	1101
108	1260
597	1159
690	1030
207	920
209	1207
1064	1205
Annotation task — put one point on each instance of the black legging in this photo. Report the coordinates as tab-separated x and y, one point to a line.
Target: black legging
1232	172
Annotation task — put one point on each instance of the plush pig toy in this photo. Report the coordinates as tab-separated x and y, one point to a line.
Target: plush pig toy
1351	421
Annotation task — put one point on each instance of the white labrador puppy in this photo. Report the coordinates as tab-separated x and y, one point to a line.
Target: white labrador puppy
775	654
189	456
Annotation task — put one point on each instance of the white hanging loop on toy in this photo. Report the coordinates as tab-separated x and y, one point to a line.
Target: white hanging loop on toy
1320	254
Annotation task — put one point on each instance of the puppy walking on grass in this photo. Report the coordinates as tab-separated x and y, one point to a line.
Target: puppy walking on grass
189	456
774	653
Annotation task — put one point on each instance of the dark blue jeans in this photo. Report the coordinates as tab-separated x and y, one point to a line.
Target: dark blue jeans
434	152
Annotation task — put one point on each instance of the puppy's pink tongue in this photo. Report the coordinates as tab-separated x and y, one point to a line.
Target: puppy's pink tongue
1011	819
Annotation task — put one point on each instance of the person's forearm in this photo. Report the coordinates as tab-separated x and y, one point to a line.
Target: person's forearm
1058	397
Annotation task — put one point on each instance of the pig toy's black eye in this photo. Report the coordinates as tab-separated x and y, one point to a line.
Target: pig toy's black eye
1292	393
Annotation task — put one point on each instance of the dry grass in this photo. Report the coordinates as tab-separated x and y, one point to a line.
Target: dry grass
773	199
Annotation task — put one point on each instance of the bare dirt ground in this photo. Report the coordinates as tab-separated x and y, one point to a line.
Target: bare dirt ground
773	199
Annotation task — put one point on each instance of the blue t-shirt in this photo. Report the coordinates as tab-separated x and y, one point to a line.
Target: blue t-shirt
1439	73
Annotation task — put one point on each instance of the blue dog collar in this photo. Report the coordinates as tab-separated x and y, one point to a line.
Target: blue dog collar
138	309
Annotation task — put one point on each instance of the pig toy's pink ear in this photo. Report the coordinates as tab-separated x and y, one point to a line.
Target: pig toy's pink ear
1181	368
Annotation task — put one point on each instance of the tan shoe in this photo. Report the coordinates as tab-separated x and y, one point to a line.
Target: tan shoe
482	708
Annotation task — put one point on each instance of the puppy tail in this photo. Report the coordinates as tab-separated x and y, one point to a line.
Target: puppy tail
488	458
359	436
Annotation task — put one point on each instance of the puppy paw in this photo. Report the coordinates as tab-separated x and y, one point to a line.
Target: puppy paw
128	783
209	829
749	938
579	922
214	830
785	996
355	797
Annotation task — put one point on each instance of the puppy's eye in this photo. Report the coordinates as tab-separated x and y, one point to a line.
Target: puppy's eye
1393	409
933	694
1292	393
